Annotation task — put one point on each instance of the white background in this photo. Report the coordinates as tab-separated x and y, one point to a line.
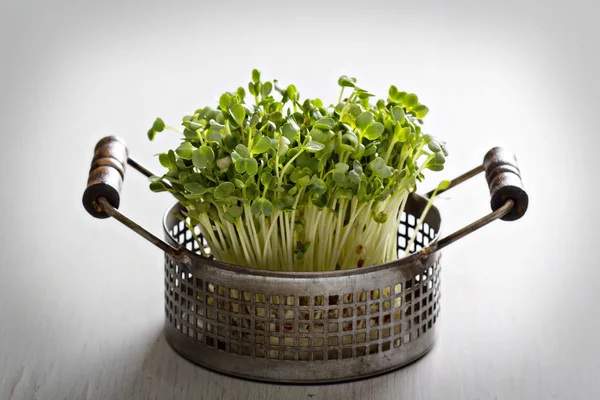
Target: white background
80	299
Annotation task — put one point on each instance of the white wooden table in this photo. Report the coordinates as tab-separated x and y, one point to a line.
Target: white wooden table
80	299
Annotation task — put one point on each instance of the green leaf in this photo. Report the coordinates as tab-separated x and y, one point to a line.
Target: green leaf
263	145
324	124
359	152
208	152
435	167
439	158
238	183
398	114
410	100
395	95
164	160
363	94
157	126
157	186
195	187
374	131
241	93
341	167
304	181
338	176
291	91
420	111
393	92
202	156
252	89
313	146
242	151
240	165
318	186
266	179
255	75
224	101
289	131
282	145
284	203
363	120
345	81
379	168
199	159
401	133
318	135
379	217
434	146
235	211
238	113
262	206
444	185
224	163
223	190
185	150
266	89
251	166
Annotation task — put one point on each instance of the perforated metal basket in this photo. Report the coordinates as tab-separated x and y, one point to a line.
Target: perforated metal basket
303	327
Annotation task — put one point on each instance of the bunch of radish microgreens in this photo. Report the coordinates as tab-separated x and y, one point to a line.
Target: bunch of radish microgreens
286	184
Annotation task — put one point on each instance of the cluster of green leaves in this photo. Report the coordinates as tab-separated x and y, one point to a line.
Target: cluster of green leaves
282	153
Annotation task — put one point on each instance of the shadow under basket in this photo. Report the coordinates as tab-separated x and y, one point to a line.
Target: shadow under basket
303	327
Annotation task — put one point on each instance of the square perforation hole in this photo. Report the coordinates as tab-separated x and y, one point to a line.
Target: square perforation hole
361	310
288	314
361	351
361	324
347	353
304	301
318	314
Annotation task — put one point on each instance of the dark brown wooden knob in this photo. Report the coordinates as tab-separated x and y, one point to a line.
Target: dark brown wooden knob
504	180
106	175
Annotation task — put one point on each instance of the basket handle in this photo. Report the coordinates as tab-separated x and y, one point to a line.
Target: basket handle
102	195
509	200
504	180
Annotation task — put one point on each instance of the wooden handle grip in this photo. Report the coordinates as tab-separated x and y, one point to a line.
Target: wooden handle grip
504	180
106	175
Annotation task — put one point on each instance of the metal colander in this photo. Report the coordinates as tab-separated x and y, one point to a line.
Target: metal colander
305	327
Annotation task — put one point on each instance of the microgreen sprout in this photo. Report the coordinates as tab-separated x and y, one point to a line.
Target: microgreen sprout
289	184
